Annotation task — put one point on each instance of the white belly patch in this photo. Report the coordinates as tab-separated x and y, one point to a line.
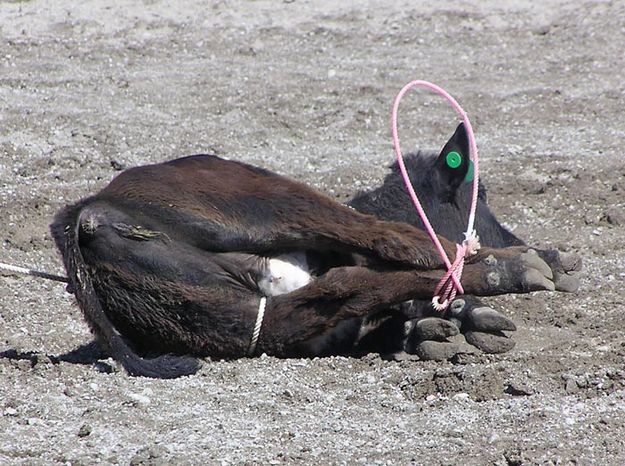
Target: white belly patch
285	273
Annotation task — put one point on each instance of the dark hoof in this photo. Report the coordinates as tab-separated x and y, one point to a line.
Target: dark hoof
565	267
511	270
489	342
485	319
436	350
538	275
434	328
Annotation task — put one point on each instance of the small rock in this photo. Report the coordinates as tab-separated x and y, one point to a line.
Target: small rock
23	364
571	387
614	216
465	359
84	431
139	399
514	458
150	456
542	30
518	389
591	218
117	166
43	359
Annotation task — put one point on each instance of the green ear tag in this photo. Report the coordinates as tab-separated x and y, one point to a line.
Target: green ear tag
453	159
469	176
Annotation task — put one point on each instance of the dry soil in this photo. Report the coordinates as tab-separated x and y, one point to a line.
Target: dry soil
304	88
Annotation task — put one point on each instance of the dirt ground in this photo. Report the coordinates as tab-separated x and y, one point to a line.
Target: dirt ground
305	88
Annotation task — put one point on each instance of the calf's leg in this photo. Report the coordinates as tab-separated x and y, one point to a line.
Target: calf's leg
294	319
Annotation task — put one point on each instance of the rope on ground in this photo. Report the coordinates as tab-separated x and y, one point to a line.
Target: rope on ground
32	272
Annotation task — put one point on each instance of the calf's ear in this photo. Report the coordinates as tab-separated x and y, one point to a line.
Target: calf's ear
454	166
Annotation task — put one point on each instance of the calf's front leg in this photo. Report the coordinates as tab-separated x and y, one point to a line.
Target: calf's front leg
292	320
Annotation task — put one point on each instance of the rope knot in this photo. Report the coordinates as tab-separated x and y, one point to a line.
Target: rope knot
450	285
472	243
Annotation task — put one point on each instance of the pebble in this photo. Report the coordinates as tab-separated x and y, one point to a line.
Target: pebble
139	399
42	359
23	364
571	387
151	455
518	389
84	431
615	216
462	396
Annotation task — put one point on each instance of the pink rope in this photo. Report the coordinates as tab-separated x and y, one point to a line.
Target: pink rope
449	285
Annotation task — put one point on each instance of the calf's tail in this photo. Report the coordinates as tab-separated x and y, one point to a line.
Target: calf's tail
65	231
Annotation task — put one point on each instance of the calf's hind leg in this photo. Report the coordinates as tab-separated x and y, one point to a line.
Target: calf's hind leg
164	295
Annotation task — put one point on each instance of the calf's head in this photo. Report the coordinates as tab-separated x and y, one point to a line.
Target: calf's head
443	183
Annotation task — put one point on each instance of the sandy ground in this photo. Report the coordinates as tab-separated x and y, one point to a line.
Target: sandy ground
304	88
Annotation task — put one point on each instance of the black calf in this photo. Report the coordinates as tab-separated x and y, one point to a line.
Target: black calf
179	258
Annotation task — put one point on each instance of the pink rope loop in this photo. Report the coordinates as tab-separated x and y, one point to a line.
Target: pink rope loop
450	283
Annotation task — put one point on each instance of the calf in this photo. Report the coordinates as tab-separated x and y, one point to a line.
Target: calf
184	258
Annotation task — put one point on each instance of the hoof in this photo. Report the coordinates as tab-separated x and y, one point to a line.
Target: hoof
538	274
565	267
485	319
436	350
489	342
433	328
567	283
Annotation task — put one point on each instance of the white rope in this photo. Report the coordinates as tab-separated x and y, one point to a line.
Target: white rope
259	323
34	273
